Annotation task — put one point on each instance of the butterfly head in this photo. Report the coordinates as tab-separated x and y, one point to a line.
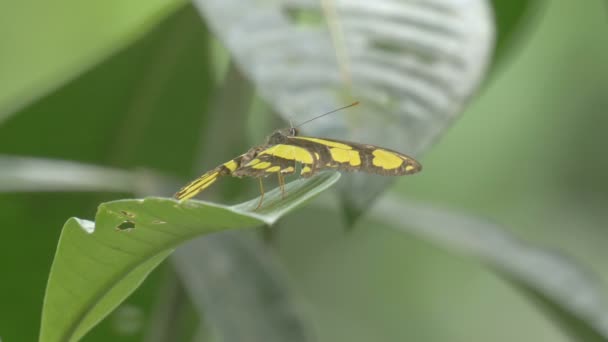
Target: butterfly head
280	136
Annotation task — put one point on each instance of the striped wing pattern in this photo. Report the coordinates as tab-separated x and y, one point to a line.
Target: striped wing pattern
208	178
264	165
313	154
347	156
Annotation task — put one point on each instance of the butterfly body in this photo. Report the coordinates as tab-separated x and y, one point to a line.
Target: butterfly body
284	150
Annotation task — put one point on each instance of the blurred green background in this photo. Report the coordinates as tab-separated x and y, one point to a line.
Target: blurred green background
528	153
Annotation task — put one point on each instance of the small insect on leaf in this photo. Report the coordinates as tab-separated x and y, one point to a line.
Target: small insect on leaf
284	150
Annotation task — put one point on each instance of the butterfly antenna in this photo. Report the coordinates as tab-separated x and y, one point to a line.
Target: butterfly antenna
332	111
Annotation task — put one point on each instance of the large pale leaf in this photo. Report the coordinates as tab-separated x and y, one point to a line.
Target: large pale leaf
412	64
98	264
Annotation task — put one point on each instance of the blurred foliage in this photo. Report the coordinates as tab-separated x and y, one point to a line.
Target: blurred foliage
528	153
512	23
112	115
48	44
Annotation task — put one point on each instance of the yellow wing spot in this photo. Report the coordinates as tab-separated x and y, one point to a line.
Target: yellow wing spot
231	165
290	152
305	170
409	168
355	159
326	142
340	155
273	169
261	165
253	162
346	156
288	169
386	160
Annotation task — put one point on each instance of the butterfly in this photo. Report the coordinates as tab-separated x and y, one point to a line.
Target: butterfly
284	150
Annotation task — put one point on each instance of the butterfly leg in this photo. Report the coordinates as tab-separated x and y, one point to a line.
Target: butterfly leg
281	184
262	193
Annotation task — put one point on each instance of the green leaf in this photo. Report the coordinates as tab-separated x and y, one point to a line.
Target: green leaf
241	290
97	265
562	288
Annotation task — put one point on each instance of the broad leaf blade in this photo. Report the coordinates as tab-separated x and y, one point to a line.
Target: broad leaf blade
97	265
412	64
563	288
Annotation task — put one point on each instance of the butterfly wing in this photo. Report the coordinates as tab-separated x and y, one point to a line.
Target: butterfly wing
314	154
348	156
